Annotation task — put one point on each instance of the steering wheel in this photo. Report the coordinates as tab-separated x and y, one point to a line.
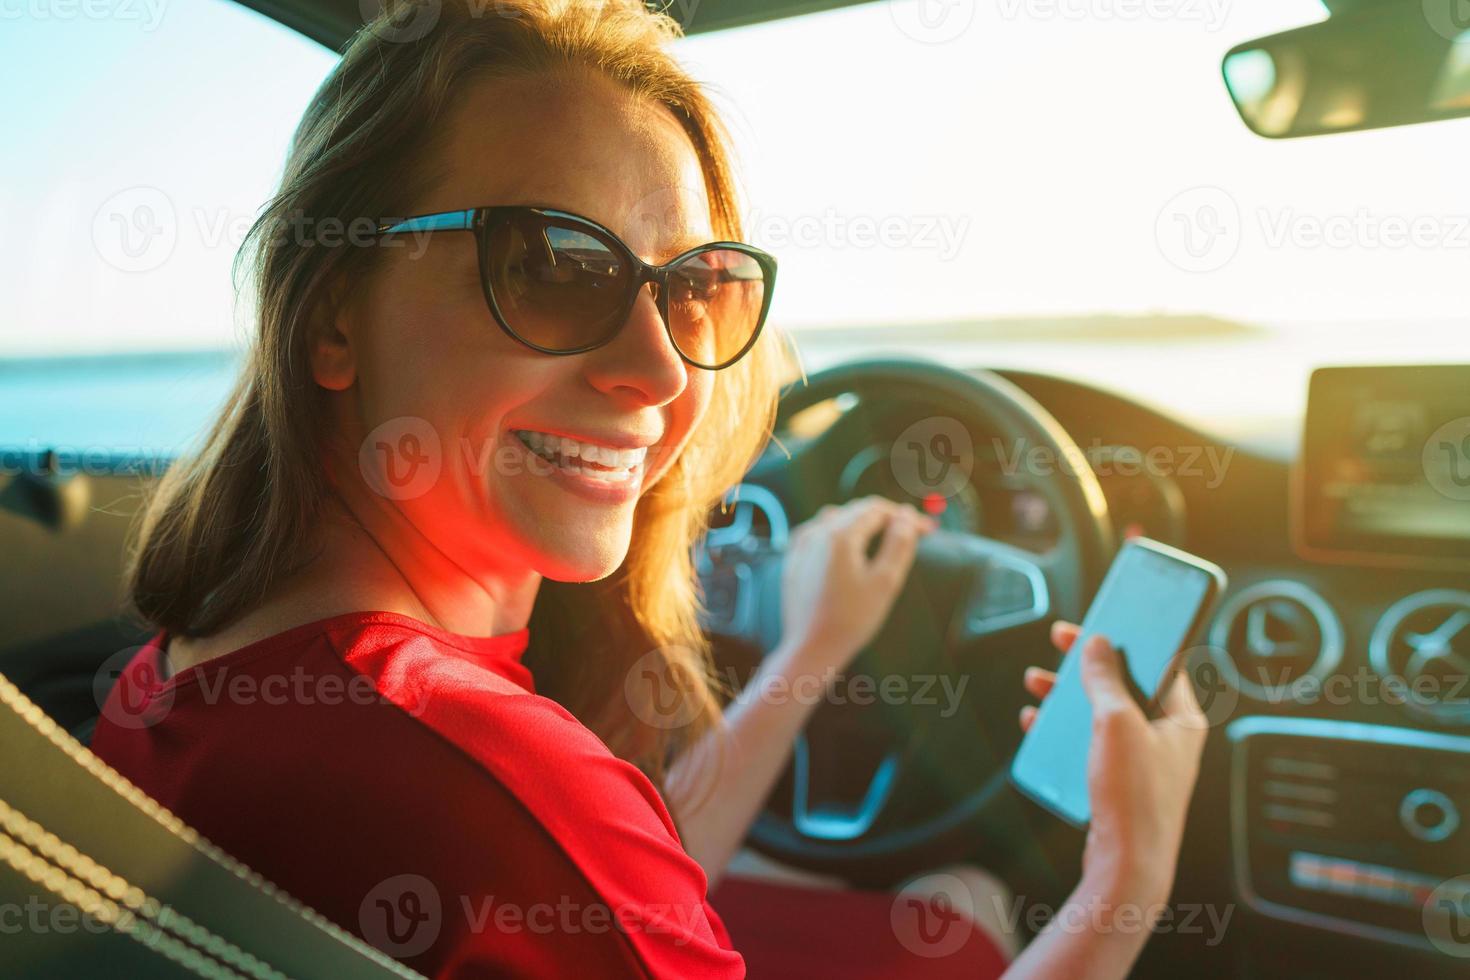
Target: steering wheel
882	773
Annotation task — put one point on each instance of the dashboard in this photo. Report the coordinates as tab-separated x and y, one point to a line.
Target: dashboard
1335	792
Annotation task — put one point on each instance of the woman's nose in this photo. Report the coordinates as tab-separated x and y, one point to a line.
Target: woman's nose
640	362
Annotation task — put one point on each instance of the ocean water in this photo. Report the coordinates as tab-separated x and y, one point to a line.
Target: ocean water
1247	384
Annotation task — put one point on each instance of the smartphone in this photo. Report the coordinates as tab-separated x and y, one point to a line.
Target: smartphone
1149	606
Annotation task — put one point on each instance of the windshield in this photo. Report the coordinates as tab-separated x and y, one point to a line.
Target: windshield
1058	185
1064	185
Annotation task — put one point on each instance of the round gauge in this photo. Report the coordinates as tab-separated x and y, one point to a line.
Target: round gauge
1142	502
868	473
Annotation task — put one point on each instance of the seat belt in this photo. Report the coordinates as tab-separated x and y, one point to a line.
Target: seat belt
98	880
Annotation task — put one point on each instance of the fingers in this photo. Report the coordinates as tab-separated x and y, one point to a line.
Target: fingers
1180	704
900	542
1038	682
1028	717
1064	634
862	521
1102	679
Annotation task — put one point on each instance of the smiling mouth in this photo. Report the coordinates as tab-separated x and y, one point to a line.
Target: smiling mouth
586	459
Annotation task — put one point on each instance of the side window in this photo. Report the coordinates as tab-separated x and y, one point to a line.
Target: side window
141	139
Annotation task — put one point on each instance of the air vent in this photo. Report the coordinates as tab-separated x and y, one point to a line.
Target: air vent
1277	641
1421	646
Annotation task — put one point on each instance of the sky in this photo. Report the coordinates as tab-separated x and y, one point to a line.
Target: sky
906	161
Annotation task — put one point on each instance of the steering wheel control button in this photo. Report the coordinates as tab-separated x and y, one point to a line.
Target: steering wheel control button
1429	815
1011	591
1277	641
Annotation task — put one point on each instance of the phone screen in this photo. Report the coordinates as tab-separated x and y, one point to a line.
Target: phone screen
1148	606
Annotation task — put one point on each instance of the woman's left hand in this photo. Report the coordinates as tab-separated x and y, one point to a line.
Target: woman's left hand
835	596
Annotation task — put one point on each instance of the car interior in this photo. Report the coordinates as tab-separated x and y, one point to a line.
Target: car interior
1060	274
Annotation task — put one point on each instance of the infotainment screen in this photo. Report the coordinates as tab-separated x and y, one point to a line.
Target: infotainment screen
1384	472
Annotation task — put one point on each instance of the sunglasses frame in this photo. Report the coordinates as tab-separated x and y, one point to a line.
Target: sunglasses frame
482	220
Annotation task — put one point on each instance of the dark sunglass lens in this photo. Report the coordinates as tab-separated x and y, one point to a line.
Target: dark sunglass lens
715	303
557	286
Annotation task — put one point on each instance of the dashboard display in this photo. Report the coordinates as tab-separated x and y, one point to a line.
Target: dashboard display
1385	466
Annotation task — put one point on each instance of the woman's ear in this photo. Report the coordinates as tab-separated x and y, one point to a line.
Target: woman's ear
330	342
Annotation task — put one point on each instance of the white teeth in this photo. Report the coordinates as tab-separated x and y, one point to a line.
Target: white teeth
617	465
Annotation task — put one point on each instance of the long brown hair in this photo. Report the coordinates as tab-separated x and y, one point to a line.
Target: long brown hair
232	518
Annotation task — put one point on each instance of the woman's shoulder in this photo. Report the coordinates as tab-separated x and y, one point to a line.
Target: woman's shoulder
478	697
449	768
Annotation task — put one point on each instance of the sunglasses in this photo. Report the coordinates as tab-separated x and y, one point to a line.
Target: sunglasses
563	284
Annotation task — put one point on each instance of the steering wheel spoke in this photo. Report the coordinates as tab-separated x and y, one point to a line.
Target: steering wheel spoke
818	816
1012	589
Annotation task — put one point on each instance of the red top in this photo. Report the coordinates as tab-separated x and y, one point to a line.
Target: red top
411	786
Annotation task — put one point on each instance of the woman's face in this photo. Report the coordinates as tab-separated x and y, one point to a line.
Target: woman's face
424	374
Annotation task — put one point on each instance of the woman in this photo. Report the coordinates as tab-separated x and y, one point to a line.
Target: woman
498	382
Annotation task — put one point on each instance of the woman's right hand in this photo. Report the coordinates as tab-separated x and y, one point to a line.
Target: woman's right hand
1141	772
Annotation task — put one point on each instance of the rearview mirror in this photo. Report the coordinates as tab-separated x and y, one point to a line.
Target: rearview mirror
1366	67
